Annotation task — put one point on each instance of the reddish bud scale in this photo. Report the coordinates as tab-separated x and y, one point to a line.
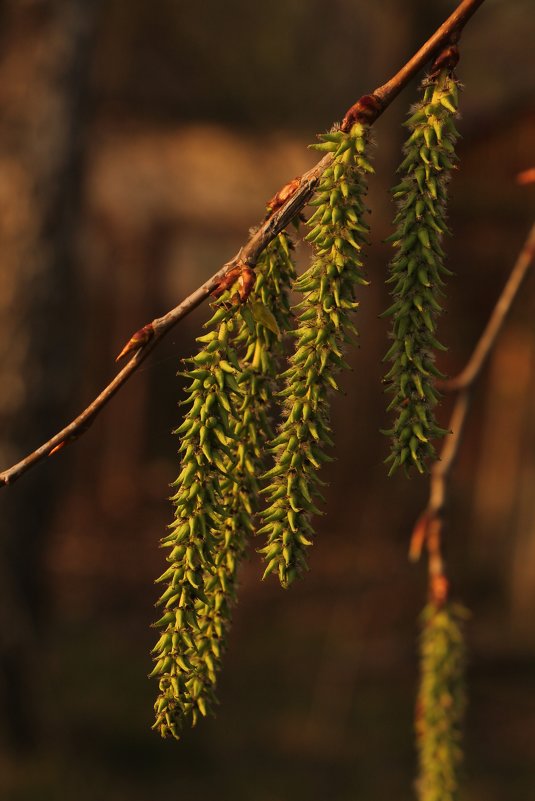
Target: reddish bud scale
283	195
226	282
439	590
366	110
243	276
246	283
58	447
138	340
447	59
419	535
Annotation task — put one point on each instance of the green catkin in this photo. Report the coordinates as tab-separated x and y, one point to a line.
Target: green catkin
206	432
338	234
441	702
221	459
417	271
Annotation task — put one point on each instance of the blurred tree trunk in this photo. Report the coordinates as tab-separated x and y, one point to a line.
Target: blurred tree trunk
44	49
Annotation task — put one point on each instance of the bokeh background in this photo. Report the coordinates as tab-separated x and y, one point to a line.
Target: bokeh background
138	143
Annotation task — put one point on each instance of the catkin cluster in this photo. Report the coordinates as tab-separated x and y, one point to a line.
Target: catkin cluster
221	447
337	234
417	271
233	380
441	702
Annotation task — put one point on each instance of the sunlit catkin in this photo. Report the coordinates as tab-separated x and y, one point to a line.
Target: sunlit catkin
217	489
325	325
417	271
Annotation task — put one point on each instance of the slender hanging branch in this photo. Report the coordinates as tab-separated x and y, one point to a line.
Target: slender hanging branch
287	204
428	528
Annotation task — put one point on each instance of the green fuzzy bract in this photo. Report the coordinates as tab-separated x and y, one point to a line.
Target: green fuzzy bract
417	272
324	327
221	448
441	702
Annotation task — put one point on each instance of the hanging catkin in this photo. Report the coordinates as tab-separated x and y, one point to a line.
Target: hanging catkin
417	270
217	490
325	326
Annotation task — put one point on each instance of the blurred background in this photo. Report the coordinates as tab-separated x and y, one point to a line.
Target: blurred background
138	143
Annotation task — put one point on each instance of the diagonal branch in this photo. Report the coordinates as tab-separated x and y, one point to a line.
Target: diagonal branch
145	340
428	528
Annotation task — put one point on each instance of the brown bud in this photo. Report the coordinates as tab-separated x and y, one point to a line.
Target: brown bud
365	110
283	195
137	341
419	534
439	589
447	59
57	447
246	283
226	282
243	276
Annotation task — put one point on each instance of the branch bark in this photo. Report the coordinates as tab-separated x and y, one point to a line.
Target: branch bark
151	334
428	528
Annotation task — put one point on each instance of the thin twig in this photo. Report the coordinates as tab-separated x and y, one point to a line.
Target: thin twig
448	33
428	529
146	339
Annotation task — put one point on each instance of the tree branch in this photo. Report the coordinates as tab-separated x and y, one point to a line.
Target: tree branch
146	339
448	33
428	528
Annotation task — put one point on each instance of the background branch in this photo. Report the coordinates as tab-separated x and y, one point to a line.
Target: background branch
428	528
149	336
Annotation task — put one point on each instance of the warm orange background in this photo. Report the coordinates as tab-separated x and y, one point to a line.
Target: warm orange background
181	122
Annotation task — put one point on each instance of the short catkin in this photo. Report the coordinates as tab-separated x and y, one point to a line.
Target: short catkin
441	702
